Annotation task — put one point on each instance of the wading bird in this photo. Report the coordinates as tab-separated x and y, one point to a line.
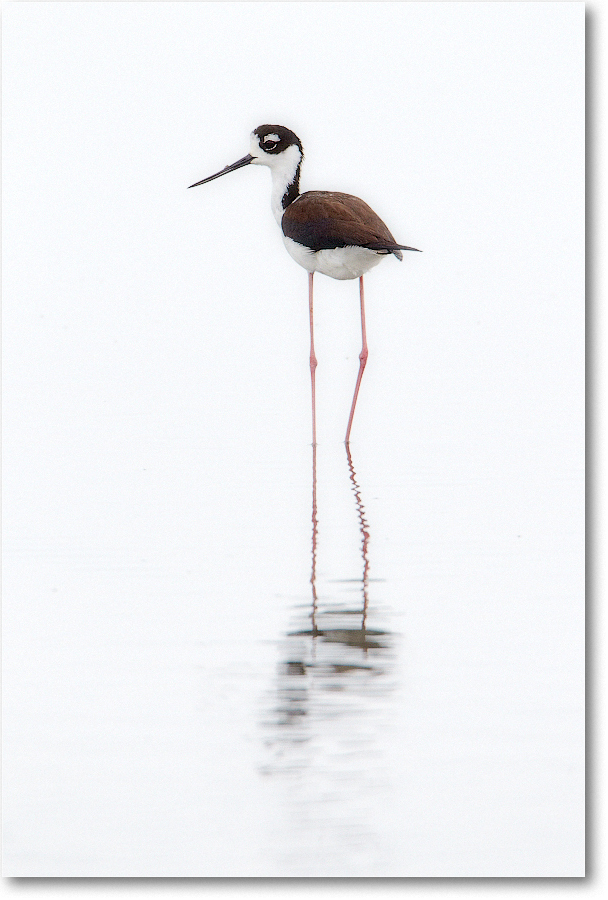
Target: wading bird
324	231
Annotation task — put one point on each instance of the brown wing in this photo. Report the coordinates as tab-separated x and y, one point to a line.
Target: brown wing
323	220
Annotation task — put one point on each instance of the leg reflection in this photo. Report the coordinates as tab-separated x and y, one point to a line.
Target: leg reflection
364	528
334	641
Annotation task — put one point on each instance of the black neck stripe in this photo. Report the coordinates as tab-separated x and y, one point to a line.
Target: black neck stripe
293	190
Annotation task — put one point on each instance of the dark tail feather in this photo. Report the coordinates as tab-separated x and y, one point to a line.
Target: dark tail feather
387	247
396	250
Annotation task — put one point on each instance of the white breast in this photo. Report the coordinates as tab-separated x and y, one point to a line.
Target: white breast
340	263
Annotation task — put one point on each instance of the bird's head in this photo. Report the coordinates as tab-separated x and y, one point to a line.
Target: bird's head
270	145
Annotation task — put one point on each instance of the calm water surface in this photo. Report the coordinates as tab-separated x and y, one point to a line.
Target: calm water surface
318	665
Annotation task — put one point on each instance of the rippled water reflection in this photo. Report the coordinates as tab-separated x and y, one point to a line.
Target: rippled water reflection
330	707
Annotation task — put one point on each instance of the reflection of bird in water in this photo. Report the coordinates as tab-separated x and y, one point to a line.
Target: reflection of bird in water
330	707
324	231
335	625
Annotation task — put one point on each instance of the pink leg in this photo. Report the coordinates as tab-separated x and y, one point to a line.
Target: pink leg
362	360
313	362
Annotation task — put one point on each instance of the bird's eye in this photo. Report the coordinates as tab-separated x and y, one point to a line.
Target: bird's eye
270	141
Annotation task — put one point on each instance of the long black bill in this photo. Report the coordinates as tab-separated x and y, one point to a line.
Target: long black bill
236	165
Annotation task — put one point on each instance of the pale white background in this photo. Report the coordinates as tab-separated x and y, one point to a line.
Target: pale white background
146	370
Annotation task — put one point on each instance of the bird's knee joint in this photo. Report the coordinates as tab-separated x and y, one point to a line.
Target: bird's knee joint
363	357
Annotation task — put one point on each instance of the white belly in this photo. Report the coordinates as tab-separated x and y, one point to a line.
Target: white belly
341	263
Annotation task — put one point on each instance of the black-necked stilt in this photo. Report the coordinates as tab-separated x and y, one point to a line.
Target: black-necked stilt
324	231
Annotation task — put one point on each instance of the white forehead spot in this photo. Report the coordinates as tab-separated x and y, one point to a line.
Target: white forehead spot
272	137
